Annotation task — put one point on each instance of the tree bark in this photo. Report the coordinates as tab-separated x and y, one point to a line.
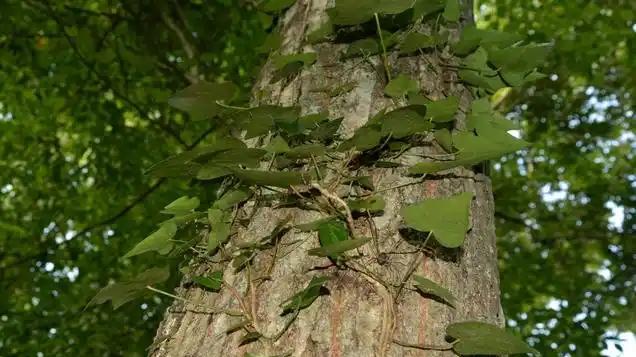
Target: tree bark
361	315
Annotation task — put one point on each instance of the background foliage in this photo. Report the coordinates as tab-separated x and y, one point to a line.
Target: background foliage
83	112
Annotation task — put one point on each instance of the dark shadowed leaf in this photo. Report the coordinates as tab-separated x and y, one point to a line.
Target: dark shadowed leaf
213	282
199	99
305	297
271	178
123	292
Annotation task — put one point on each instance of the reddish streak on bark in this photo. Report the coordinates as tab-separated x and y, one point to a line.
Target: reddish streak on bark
336	314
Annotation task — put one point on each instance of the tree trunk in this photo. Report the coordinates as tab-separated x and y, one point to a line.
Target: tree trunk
360	316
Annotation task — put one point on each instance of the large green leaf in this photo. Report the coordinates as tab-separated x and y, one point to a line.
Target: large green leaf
260	120
199	99
451	10
158	241
445	218
123	292
353	12
480	338
428	286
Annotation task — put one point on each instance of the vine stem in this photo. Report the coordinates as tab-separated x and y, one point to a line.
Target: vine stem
385	61
213	311
342	203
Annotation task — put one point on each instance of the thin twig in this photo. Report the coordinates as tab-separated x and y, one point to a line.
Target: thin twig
341	202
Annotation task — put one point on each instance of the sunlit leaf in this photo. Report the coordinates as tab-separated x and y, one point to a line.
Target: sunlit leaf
181	205
220	223
158	241
445	218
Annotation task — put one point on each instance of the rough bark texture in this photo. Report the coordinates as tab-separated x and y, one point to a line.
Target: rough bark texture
359	316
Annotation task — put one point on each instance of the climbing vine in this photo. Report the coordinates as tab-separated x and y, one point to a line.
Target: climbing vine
274	155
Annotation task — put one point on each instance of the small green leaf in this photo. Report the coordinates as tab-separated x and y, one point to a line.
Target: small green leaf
272	43
270	178
249	338
400	86
406	121
277	145
182	205
472	37
212	282
365	182
372	204
445	218
260	120
443	110
307	59
272	6
314	225
123	292
220	224
336	249
365	138
306	151
451	10
212	171
158	241
321	33
415	41
363	47
199	99
427	286
331	232
326	130
232	198
305	297
480	338
444	139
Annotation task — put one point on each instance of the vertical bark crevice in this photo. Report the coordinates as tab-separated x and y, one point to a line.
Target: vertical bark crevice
360	316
